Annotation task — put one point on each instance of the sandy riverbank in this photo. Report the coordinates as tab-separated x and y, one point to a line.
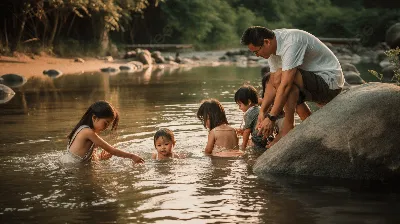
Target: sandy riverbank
28	67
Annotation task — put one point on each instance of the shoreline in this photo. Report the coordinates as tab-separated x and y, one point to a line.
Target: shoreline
28	66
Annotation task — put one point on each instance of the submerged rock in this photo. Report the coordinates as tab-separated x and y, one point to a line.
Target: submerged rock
127	67
6	94
53	73
109	70
13	80
355	136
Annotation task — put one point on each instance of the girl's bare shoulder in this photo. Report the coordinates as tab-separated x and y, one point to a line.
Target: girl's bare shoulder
225	127
85	133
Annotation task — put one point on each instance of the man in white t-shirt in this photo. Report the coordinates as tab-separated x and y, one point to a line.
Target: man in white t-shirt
302	69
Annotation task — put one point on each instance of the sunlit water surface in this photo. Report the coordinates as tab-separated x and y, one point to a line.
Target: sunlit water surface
35	187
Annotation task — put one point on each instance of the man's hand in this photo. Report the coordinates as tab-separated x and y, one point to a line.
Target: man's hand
266	127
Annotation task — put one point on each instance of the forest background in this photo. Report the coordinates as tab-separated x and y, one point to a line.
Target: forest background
101	27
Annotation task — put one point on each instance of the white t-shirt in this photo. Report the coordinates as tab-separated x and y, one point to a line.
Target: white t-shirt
297	48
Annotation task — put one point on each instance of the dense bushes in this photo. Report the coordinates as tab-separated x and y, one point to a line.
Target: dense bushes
65	26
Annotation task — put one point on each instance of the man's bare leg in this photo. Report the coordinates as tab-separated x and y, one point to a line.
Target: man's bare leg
291	107
303	111
288	122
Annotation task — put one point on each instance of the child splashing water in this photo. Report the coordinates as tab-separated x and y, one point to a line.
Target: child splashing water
222	138
84	137
164	141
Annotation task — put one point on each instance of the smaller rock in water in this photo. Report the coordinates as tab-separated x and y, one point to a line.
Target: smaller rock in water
109	69
127	67
13	80
53	73
6	94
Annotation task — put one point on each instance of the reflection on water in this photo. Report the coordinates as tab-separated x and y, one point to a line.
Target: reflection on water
36	188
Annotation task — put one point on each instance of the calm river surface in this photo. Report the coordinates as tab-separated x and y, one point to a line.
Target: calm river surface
35	188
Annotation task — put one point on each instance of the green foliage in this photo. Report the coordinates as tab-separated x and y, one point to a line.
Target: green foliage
394	59
205	23
208	24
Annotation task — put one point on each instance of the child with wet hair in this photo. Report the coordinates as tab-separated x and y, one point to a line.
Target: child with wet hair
222	138
164	142
246	98
84	137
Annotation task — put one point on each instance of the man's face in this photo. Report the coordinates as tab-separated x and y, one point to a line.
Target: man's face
264	50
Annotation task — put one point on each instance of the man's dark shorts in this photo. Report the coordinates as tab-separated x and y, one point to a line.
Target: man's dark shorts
315	89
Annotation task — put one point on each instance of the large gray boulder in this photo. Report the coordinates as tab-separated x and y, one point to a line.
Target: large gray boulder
356	135
393	36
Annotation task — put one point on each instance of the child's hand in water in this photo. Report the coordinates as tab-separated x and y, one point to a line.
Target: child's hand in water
104	155
137	159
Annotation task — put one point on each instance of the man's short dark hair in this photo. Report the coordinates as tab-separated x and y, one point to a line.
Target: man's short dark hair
255	35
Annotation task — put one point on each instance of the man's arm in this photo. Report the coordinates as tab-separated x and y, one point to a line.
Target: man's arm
287	79
269	96
283	90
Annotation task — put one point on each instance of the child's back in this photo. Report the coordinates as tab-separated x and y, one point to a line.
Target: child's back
226	139
222	138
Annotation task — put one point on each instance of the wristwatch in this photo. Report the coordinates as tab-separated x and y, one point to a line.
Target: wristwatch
271	117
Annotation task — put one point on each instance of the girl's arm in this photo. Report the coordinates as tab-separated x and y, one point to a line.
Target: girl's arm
246	135
210	143
154	156
93	137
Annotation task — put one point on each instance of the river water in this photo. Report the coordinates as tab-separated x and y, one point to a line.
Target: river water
36	188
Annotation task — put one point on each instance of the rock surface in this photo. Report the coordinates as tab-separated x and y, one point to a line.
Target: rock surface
355	136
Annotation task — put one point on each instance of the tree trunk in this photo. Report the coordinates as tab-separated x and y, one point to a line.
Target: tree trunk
104	39
45	25
70	25
20	32
5	33
55	26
